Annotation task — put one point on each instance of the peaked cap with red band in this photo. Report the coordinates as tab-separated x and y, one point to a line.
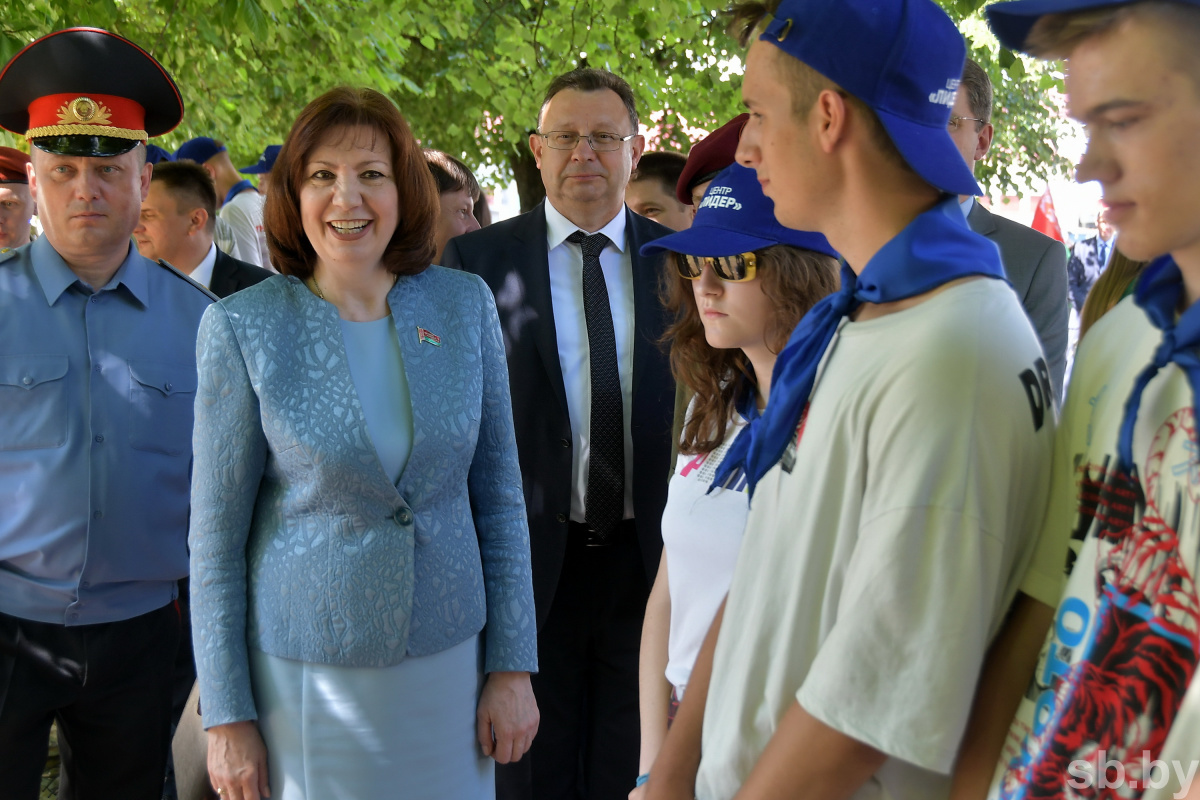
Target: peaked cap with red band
87	92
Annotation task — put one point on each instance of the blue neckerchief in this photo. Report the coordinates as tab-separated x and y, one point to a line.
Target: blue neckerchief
237	189
935	248
1158	293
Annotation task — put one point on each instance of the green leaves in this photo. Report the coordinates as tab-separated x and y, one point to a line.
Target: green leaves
470	74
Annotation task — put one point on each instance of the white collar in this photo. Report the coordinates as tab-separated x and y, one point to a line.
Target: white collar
202	274
558	228
965	206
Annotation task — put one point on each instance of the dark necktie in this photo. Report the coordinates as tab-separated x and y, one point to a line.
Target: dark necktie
604	500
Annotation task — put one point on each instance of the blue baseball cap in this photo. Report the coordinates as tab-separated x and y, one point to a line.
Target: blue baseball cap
200	149
736	217
1011	22
155	154
903	58
265	161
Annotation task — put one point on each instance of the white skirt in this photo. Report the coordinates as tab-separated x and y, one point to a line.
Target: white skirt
349	733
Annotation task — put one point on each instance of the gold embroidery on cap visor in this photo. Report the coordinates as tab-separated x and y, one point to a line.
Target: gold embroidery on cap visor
733	269
83	116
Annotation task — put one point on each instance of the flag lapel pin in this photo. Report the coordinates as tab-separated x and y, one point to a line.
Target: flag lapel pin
428	337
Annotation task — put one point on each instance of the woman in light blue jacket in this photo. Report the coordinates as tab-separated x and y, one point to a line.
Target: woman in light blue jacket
360	554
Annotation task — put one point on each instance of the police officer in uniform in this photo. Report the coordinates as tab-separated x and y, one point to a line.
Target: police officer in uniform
97	381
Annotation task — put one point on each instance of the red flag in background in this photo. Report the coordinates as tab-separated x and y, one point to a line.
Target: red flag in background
1045	220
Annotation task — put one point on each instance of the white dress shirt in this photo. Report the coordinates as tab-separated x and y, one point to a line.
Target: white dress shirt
570	324
202	274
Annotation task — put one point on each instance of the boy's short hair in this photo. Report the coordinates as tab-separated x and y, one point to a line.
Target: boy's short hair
747	20
190	186
663	166
451	174
1054	36
979	90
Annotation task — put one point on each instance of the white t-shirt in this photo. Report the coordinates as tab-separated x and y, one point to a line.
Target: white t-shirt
1123	649
701	537
882	552
244	213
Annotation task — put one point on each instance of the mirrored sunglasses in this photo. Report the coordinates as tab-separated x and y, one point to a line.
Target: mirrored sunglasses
734	269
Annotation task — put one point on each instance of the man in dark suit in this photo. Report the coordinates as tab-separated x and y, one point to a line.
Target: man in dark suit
1035	264
592	400
177	223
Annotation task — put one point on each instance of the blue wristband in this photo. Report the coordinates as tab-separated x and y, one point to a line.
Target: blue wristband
641	780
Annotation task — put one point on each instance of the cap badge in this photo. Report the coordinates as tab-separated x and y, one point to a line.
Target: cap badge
84	111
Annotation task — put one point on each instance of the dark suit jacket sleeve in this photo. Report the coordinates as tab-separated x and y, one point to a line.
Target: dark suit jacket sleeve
451	257
1049	309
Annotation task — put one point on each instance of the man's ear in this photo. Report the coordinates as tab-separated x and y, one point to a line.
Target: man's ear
984	142
535	145
198	221
829	115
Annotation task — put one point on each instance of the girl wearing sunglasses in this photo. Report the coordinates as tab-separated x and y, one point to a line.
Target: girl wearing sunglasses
737	283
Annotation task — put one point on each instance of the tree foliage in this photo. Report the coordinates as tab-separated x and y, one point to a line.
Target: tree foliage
469	74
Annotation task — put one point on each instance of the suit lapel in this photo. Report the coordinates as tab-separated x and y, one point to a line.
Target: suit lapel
222	276
406	302
979	219
533	265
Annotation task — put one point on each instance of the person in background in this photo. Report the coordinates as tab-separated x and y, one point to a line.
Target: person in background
262	168
362	606
97	387
458	191
707	158
1034	264
16	204
482	211
651	190
176	225
157	155
1089	258
580	311
736	282
240	203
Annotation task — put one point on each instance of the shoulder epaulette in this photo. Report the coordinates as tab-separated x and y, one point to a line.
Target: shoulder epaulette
184	277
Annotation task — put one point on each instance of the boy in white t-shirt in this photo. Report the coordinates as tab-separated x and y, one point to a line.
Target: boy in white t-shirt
1101	711
901	463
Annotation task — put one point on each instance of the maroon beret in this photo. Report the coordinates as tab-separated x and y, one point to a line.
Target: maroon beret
709	156
12	166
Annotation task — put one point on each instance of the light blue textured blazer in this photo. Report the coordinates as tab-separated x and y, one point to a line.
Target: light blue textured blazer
301	546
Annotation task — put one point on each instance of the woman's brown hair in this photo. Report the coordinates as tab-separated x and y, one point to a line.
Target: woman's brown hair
412	245
794	278
1108	290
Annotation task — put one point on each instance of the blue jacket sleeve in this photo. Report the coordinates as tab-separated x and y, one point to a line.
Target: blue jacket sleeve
498	507
230	454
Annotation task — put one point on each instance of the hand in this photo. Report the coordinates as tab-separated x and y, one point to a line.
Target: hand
237	761
506	719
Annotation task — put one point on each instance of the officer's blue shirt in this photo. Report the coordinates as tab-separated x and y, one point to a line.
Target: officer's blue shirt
96	393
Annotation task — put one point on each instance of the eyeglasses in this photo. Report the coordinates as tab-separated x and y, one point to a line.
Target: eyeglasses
600	142
957	121
732	269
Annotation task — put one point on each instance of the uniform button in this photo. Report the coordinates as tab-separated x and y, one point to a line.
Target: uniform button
404	516
99	438
27	380
167	386
565	442
93	298
97	514
562	517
